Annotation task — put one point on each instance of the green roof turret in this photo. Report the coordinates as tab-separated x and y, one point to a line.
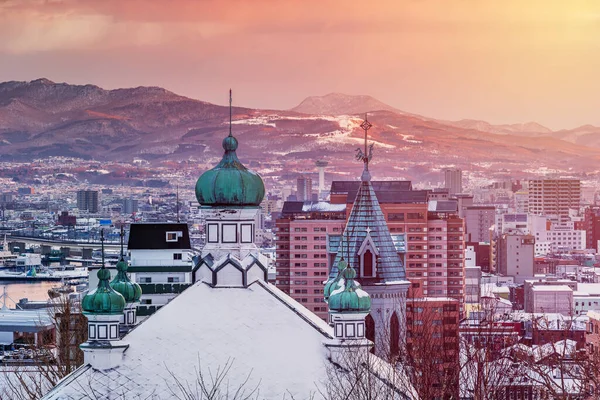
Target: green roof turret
230	183
350	297
104	299
131	291
334	283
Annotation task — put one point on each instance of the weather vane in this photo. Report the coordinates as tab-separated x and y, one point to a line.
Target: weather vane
367	155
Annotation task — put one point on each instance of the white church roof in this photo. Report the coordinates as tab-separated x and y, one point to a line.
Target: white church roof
269	339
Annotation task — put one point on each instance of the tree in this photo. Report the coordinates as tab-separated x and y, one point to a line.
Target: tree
54	360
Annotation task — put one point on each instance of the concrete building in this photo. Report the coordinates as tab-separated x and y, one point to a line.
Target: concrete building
304	190
550	299
591	225
302	263
130	206
554	197
478	221
432	332
515	256
521	200
453	180
87	200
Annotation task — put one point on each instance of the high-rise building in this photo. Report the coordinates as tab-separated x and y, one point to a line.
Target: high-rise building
321	166
554	197
87	200
301	248
304	188
429	235
453	180
478	221
130	206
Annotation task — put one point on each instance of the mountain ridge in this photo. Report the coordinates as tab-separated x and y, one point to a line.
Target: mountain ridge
42	118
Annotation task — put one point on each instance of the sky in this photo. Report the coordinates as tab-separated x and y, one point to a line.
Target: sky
503	61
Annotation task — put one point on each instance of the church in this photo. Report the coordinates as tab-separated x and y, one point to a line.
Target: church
233	334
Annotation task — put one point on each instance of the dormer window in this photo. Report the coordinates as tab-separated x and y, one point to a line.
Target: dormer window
367	254
173	236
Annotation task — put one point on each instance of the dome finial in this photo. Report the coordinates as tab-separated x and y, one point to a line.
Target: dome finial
131	291
230	183
230	105
103	299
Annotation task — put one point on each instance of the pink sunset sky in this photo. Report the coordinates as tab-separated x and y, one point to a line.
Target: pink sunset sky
502	61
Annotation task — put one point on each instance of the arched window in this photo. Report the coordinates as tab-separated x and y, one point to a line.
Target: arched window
370	330
394	336
368	263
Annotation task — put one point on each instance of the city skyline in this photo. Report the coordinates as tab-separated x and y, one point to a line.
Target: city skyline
503	62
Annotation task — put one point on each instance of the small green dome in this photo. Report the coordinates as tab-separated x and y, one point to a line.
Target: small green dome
103	299
334	283
350	297
131	291
230	183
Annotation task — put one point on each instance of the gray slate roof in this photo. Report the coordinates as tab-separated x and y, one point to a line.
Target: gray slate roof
366	213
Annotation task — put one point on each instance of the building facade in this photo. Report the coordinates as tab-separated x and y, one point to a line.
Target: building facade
453	180
87	200
302	264
554	197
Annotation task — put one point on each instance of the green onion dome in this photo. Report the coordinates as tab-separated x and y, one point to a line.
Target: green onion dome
103	299
335	283
230	183
131	291
350	297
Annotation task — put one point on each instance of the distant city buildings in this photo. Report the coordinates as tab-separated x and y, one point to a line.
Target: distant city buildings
453	180
304	190
87	200
554	197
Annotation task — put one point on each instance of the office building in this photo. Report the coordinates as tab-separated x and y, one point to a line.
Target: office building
304	188
87	200
453	180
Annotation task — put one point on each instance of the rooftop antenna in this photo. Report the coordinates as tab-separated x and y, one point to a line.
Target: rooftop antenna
177	192
122	234
230	103
102	242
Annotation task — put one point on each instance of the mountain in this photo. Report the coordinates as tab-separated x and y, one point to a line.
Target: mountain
42	118
342	104
525	129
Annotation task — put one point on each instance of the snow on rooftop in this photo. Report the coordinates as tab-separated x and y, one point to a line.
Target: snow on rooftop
272	340
551	288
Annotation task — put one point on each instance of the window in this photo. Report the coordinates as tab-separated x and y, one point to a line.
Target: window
145	280
177	256
173	236
396	217
173	279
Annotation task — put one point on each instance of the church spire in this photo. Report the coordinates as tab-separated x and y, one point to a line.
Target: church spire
367	155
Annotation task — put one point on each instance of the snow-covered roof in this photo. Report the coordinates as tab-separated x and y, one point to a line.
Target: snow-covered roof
271	342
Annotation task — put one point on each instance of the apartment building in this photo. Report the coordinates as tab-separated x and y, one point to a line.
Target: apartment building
432	231
301	250
554	197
